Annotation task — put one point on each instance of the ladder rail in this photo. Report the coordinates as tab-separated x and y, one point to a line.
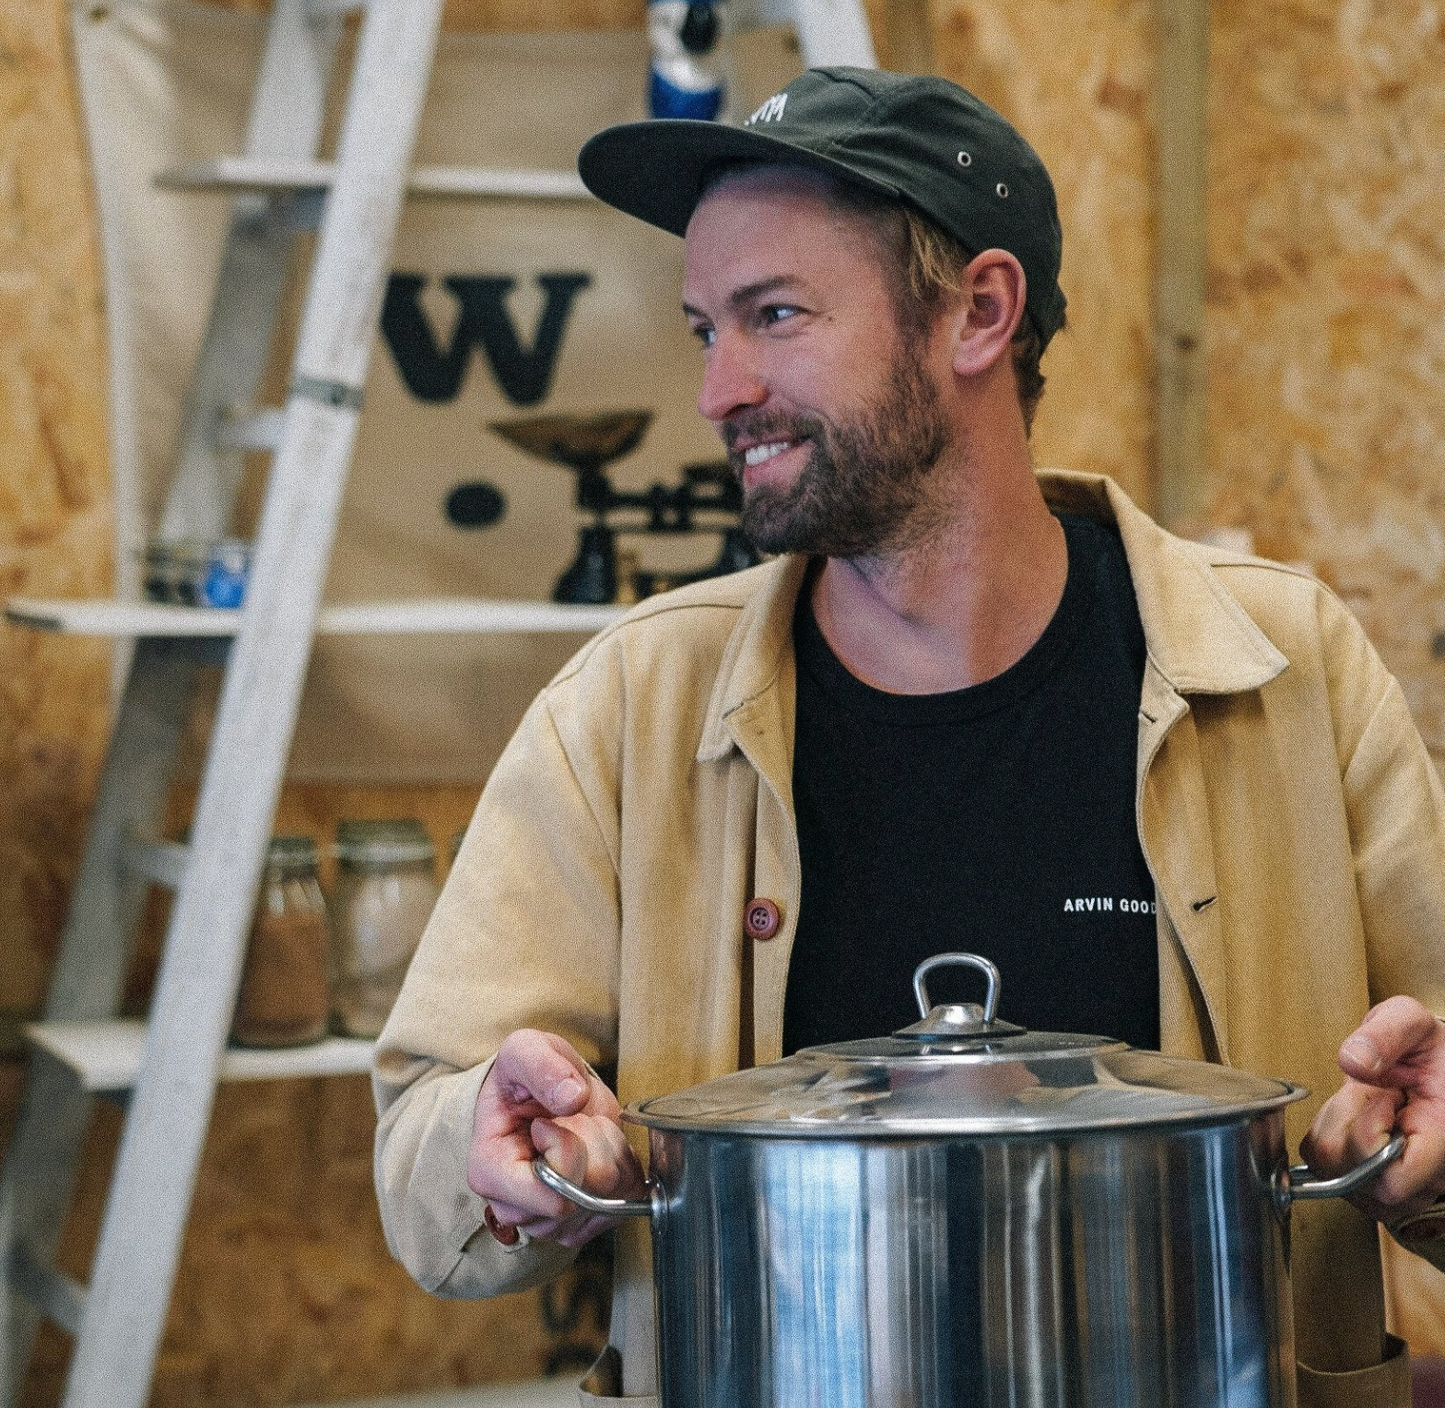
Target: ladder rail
95	946
160	1151
40	1173
829	31
157	680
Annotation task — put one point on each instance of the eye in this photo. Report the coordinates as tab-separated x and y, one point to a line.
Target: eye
771	313
705	333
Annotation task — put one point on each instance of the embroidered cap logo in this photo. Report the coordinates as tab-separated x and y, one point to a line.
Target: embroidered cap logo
770	111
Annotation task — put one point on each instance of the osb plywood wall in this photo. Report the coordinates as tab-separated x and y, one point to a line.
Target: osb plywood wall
1327	308
1077	77
1327	425
54	492
1326	339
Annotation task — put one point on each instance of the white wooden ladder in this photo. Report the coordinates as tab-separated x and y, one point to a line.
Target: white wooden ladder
117	1321
171	1065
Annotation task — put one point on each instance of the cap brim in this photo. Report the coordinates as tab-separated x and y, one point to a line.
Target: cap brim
655	169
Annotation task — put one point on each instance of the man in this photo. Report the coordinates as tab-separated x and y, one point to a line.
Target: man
962	706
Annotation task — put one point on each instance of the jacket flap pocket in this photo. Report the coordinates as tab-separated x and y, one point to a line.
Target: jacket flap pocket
1384	1385
603	1383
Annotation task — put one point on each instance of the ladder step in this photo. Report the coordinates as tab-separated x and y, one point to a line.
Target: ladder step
319	9
238	175
251	430
107	1055
161	862
57	1296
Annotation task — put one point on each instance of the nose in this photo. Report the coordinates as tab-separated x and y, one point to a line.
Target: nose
731	381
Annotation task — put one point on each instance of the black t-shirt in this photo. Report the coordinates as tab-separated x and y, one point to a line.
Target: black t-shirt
997	819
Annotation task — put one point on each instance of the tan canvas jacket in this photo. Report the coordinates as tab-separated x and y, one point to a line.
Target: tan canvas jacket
1291	818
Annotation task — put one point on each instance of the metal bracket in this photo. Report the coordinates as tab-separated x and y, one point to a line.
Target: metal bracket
328	393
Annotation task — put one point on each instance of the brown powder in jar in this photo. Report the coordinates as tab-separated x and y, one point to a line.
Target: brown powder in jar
284	998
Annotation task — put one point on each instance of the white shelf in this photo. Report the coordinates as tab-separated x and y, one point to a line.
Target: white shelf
236	175
535	1393
107	1055
427	616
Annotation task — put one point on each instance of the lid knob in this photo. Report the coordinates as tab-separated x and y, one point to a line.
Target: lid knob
958	1019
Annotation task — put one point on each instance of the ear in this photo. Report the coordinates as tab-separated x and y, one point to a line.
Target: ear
990	306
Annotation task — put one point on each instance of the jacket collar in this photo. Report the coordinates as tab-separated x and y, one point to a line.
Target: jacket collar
1199	639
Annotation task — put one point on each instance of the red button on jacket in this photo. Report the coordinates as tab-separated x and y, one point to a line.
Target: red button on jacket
761	918
507	1236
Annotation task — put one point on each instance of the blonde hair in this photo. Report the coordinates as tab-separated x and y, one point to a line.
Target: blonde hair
934	266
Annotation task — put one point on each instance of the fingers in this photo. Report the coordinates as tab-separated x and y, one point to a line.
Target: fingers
1394	1064
1357	1121
1350	1126
540	1097
1391	1044
591	1152
1416	1179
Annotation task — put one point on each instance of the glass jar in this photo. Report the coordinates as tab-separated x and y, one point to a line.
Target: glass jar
284	999
385	891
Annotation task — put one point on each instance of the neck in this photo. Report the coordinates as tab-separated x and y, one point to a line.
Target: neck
962	602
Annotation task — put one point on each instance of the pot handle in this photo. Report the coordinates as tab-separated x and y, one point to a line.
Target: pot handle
1302	1183
590	1202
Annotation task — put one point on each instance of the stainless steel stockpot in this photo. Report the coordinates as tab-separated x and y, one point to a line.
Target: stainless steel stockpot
969	1215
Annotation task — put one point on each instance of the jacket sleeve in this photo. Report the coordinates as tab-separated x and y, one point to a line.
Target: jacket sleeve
525	934
1396	809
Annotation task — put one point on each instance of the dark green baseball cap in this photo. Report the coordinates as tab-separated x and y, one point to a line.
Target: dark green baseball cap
920	140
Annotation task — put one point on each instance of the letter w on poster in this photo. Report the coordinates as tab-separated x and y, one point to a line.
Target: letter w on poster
495	308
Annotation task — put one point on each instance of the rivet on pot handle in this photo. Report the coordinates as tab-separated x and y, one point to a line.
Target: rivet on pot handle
1300	1182
590	1202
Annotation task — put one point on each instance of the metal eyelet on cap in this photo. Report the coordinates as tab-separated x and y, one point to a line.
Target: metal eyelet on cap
964	159
1001	190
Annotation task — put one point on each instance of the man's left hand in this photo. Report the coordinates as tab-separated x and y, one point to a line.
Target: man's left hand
1394	1065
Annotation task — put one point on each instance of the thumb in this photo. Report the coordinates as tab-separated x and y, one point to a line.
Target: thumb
1382	1050
535	1069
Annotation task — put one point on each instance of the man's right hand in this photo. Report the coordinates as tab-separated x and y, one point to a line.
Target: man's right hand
540	1097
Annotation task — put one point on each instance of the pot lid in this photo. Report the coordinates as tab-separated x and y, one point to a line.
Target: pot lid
961	1070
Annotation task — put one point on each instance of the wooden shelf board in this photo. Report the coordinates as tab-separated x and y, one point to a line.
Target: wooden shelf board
107	1055
424	616
236	175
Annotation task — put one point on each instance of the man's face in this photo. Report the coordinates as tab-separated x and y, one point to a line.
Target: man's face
830	412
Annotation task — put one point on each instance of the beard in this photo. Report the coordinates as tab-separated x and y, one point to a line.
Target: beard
860	493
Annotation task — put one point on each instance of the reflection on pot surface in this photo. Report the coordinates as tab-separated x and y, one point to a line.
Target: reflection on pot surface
1097	1270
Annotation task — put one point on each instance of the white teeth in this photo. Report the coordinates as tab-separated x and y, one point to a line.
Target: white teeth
758	453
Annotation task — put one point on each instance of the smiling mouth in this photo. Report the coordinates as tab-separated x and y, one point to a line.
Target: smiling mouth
760	454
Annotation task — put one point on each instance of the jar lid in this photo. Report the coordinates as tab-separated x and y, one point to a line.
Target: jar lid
292	853
395	841
963	1071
